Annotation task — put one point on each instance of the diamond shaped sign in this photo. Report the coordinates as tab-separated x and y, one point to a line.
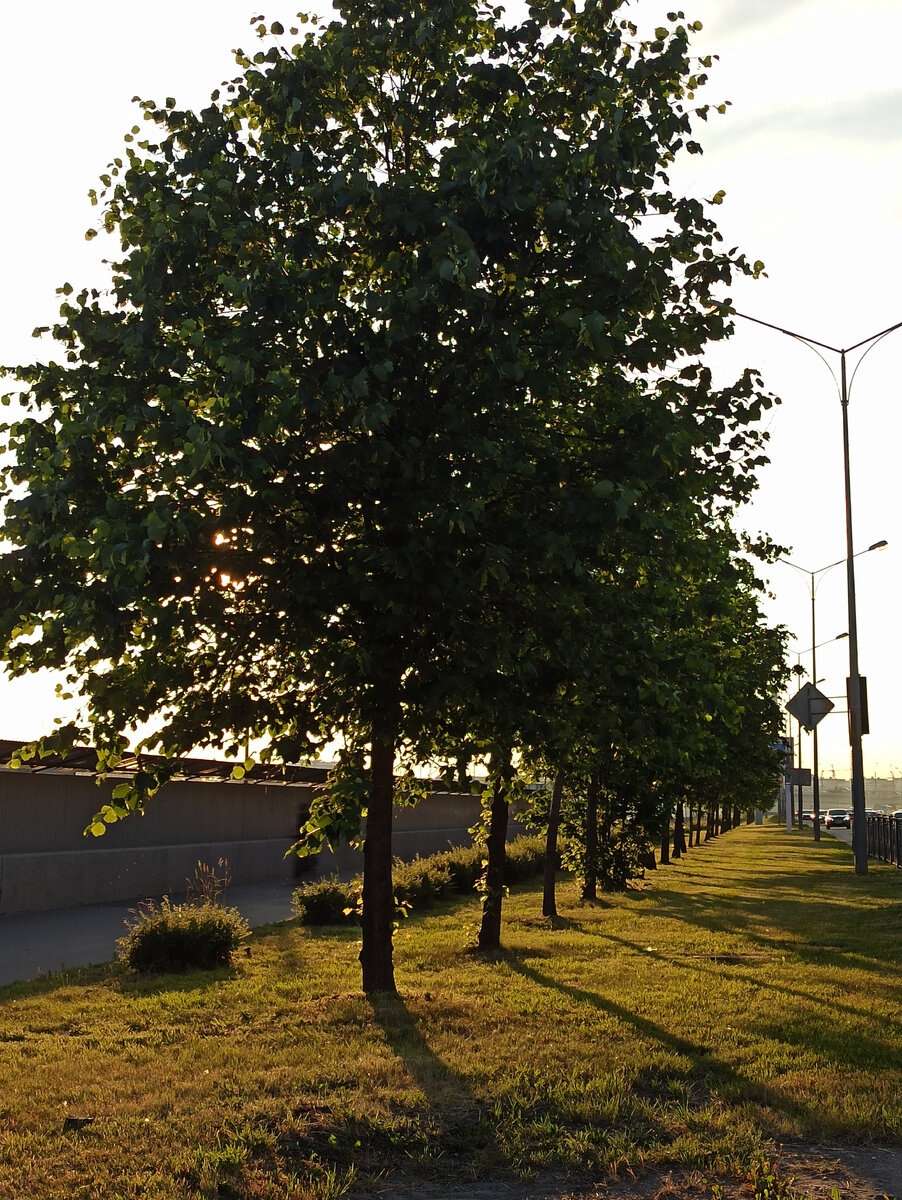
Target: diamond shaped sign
809	705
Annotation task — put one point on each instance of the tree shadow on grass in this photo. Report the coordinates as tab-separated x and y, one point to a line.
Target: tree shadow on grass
870	1045
457	1114
696	1051
708	1073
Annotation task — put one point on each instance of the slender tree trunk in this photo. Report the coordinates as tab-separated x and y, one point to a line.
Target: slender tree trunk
679	840
378	896
698	825
737	816
665	840
496	847
688	830
462	762
590	836
549	901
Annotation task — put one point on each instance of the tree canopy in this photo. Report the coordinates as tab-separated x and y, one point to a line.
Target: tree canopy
399	366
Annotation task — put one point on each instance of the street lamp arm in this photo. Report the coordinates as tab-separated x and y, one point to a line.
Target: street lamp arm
839	637
875	337
799	337
829	567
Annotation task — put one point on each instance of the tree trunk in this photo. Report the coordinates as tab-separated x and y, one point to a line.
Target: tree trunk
493	885
698	826
378	895
679	840
665	840
549	902
590	874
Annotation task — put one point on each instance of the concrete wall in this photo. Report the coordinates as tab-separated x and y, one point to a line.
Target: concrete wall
46	861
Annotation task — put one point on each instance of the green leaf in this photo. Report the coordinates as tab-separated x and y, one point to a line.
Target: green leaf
156	527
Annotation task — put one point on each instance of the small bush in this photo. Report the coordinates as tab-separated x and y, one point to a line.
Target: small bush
327	902
166	937
420	883
463	864
525	858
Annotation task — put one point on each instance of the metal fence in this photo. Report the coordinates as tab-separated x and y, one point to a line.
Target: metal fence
885	839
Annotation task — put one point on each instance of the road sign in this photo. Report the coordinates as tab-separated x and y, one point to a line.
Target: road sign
809	705
799	777
862	701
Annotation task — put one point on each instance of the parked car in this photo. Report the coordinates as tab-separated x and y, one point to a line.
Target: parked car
837	816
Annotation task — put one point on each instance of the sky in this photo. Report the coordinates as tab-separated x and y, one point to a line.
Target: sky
809	155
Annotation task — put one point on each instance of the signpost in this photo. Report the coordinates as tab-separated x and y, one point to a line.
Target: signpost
809	706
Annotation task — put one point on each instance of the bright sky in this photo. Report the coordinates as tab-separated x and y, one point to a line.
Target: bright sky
808	155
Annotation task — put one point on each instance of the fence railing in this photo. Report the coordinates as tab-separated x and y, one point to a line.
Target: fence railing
885	839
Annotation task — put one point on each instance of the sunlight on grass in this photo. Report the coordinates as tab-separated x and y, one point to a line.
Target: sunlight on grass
745	994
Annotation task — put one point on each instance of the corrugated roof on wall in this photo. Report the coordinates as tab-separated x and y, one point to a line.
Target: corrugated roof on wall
83	759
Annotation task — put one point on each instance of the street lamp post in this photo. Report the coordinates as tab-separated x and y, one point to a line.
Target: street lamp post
814	583
856	722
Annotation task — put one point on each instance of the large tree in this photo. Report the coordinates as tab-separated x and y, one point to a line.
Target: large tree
405	322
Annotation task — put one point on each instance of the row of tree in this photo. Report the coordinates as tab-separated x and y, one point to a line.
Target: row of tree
393	428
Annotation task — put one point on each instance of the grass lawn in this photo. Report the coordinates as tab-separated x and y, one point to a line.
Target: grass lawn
747	994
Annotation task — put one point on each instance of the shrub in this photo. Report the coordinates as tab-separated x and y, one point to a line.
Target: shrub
327	902
420	883
417	884
167	937
620	860
463	864
525	858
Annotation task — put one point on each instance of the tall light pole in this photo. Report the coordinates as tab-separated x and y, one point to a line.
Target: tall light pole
814	583
856	715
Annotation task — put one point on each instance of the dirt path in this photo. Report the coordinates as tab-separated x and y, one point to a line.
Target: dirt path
818	1172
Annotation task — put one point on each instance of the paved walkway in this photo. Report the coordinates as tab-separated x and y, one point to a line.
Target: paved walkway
34	944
